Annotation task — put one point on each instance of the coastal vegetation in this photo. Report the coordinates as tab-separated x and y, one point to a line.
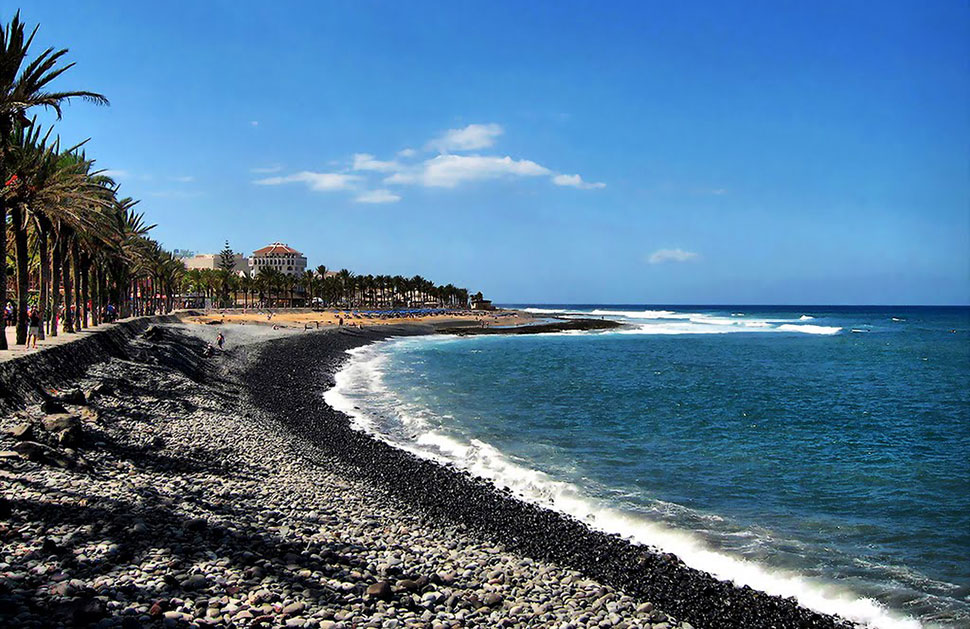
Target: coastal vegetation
272	288
66	224
77	250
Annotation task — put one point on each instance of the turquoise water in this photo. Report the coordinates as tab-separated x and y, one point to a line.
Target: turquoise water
817	452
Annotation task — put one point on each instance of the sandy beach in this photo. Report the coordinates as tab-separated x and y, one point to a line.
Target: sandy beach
180	490
316	319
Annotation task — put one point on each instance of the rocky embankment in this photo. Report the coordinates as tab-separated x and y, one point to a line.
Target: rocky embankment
148	491
561	325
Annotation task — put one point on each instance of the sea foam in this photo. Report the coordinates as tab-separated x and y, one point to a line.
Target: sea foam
668	322
360	392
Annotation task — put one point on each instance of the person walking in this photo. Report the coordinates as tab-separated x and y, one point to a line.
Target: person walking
33	327
221	340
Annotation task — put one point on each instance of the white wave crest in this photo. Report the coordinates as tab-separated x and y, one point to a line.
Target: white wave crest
547	310
669	322
360	392
642	314
810	329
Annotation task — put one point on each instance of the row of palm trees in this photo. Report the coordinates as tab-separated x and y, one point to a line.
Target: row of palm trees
67	229
272	288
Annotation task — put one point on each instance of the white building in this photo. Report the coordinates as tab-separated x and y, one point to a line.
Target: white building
214	261
279	257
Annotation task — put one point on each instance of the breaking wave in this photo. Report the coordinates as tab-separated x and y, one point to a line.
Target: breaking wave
673	322
361	393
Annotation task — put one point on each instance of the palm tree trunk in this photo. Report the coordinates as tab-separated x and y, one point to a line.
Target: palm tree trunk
68	294
45	279
80	308
20	246
95	295
3	276
85	276
55	285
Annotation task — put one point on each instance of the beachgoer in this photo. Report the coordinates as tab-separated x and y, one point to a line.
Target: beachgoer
33	327
221	340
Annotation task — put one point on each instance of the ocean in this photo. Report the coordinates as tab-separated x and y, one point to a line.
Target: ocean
814	451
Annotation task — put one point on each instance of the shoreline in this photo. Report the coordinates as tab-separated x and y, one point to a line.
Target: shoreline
449	495
177	503
223	490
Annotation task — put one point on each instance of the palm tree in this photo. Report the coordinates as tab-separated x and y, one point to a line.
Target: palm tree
21	89
308	281
288	282
246	284
54	189
266	282
344	276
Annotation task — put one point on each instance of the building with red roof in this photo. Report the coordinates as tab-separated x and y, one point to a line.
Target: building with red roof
279	257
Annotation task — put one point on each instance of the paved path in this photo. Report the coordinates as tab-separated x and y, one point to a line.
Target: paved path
60	339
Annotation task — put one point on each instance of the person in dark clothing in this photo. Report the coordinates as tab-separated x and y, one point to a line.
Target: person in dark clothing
220	340
33	327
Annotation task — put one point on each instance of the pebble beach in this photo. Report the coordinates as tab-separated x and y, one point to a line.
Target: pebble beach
161	487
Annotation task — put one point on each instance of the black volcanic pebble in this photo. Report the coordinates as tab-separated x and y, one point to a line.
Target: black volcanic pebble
276	380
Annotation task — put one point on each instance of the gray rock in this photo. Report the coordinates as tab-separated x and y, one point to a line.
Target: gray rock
261	596
98	390
24	432
380	590
194	582
69	436
409	585
60	421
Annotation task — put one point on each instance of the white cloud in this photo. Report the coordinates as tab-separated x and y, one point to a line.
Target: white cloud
118	173
408	152
378	196
321	182
184	179
366	161
672	255
719	191
448	171
254	123
267	170
474	136
575	181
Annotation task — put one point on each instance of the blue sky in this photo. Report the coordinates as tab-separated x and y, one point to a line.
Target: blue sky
756	152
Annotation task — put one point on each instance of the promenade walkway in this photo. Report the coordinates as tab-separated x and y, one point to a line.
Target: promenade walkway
50	341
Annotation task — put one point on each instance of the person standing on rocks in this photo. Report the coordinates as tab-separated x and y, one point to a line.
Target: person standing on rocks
220	340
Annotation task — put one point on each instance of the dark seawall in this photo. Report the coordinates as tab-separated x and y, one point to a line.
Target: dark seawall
287	380
23	379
